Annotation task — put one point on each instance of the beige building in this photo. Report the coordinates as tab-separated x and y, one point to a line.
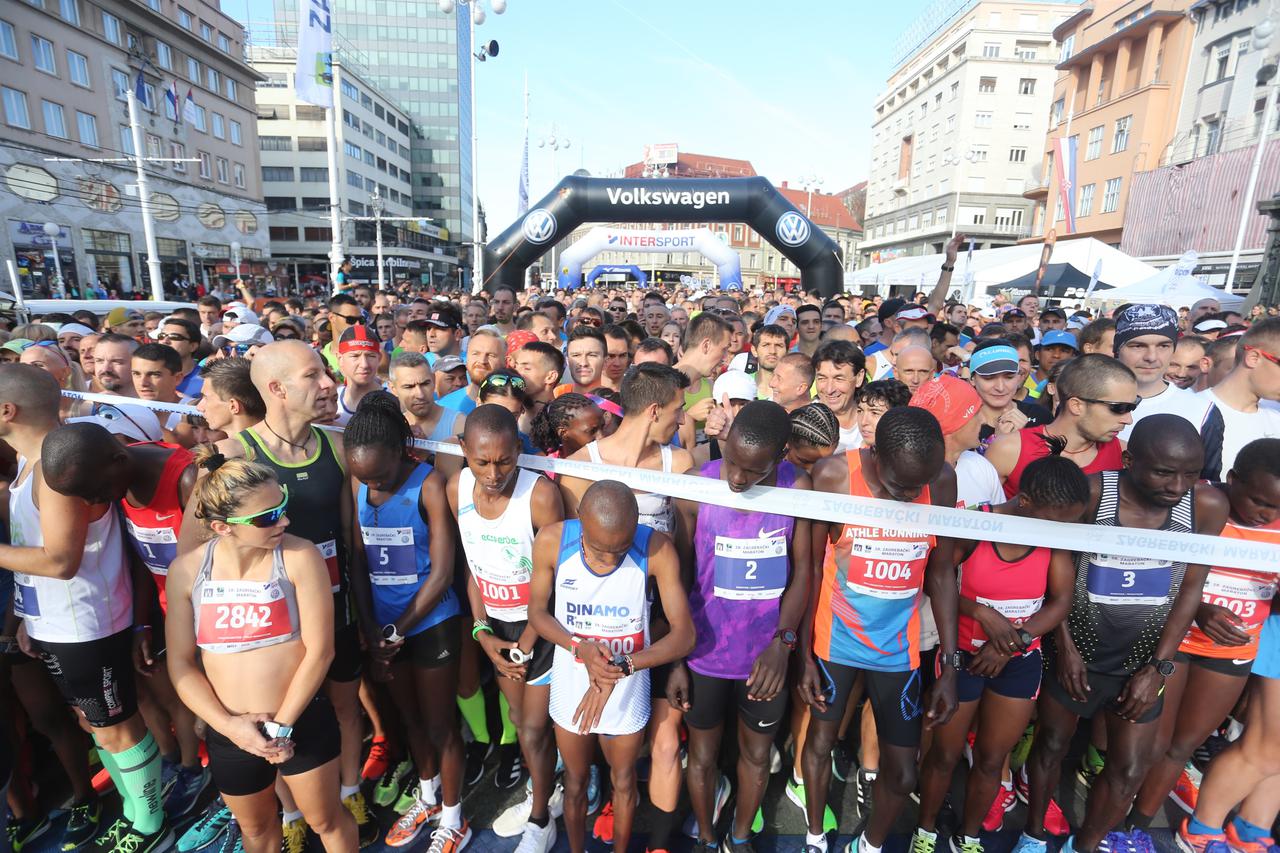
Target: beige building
1121	73
65	66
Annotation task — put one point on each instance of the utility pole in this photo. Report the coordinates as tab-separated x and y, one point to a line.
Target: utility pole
335	206
376	203
144	196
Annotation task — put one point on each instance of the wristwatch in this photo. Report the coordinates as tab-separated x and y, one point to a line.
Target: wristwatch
390	634
946	268
788	638
277	731
1164	667
1025	638
955	660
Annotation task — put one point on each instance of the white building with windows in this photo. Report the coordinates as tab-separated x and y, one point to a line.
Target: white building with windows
374	162
958	129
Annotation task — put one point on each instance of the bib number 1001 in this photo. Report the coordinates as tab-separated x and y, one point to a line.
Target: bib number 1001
240	615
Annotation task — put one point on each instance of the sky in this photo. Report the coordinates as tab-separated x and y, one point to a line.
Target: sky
788	85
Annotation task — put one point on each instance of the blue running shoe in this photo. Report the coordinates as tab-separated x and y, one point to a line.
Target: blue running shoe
188	786
1027	844
207	829
593	791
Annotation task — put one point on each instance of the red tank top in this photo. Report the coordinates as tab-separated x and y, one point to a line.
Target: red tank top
153	529
1034	447
1014	589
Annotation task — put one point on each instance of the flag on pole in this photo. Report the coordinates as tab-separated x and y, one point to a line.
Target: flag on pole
522	206
140	89
313	75
1093	279
189	108
171	95
1064	164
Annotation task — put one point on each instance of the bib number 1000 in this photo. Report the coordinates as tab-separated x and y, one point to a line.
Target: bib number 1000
237	616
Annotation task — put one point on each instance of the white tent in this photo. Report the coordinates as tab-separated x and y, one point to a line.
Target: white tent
996	266
1174	286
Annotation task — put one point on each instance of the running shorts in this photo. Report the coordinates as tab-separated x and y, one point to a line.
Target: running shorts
1225	666
237	773
1104	689
1020	679
1267	663
896	699
346	664
537	671
97	677
709	702
433	648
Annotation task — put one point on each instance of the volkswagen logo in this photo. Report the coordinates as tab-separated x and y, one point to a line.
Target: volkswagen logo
793	229
539	226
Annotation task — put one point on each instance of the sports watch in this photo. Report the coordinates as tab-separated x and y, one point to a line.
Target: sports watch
1164	667
277	731
788	638
391	634
1025	638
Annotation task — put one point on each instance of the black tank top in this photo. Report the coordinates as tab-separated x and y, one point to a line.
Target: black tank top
314	488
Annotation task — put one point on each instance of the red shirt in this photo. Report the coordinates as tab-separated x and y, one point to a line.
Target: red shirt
153	529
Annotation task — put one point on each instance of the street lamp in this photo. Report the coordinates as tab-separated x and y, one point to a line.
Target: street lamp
1262	35
375	201
810	183
554	143
235	257
51	230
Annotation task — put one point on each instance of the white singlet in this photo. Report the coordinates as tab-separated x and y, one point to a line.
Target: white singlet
656	511
97	602
500	550
612	609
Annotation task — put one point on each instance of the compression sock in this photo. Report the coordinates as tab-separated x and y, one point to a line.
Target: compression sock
472	708
508	728
660	826
140	772
1195	827
1138	820
109	762
1249	832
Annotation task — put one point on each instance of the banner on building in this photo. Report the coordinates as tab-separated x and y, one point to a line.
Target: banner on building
1064	164
314	72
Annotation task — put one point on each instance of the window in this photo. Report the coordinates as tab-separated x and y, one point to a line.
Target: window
164	55
184	18
282	232
154	4
199	122
366	101
126	140
231	89
314	175
355	180
178	151
275	143
111	28
924	110
317	235
1022	121
1027	86
942	214
15	108
1055	112
369	159
986	84
1121	139
349	90
951	123
78	68
982	119
55	121
149	97
979	154
1111	196
70	11
211	79
1084	205
206	165
119	83
275	81
8	41
155	147
1094	151
312	143
353	150
991	50
379	111
281	202
1025	51
206	32
222	170
236	138
42	55
224	43
1213	136
87	129
313	202
307	112
1068	48
277	174
193	70
237	172
219	126
1017	155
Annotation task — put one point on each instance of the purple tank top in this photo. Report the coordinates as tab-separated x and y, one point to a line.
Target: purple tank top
743	565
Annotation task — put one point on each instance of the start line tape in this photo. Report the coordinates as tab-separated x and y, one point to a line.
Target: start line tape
874	512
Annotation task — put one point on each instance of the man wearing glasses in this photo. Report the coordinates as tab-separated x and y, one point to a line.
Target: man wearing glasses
1098	395
184	337
344	313
1243	406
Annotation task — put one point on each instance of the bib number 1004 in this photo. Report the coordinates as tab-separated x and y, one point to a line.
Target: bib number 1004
885	571
237	616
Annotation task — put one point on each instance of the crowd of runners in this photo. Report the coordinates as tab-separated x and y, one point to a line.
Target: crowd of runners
275	617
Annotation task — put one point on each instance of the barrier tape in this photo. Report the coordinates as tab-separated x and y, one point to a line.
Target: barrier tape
875	512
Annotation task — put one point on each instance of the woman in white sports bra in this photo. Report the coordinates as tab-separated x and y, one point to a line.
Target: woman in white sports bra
250	638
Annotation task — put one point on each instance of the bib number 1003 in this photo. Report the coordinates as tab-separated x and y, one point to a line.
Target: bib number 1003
237	616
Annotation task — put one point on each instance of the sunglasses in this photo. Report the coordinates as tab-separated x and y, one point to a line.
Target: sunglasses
286	336
266	518
350	318
502	381
590	321
1274	359
165	336
238	349
1115	407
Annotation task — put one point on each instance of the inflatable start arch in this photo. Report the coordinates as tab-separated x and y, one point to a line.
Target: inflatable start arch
753	201
700	240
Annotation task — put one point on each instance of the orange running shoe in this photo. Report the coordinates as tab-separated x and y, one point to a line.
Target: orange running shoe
1186	790
603	827
1004	802
1191	843
410	824
375	766
1239	845
450	839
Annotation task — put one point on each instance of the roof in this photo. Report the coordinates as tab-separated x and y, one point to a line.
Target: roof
861	186
826	210
690	165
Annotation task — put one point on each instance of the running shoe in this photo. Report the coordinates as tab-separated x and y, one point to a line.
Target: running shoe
923	841
387	789
731	846
595	793
188	786
513	821
207	828
510	766
775	760
691	828
365	824
965	844
842	761
864	790
1207	751
1027	844
1187	789
232	840
537	839
379	759
1239	845
757	822
1091	764
23	832
1137	841
409	795
477	754
603	826
450	839
1189	842
700	846
127	838
1022	749
1004	802
854	843
410	824
293	836
82	826
796	794
1055	822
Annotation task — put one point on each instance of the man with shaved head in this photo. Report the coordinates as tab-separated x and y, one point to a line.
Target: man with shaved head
598	567
914	367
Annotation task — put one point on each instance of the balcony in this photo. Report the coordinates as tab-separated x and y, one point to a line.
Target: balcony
1035	187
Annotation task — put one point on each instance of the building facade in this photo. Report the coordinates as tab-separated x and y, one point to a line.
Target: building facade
959	126
374	156
65	66
1121	69
420	58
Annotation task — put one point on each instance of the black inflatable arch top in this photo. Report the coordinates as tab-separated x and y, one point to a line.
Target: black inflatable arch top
753	201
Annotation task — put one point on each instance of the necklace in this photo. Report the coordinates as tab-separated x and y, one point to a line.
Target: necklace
1092	446
294	445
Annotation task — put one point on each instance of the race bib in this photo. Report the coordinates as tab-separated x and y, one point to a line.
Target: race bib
1016	610
887	568
25	602
627	644
502	573
234	616
502	598
1129	580
1247	596
329	550
156	546
390	554
750	569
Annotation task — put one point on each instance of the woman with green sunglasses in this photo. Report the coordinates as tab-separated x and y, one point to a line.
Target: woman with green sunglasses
250	638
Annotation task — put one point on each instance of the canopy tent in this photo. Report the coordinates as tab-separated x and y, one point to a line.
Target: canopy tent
989	267
1060	281
1174	286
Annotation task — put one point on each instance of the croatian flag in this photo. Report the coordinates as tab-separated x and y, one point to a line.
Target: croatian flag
189	108
171	95
1064	164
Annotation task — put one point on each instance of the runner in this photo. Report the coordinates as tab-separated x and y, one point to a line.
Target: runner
791	381
1009	597
815	432
706	342
994	370
413	383
873	399
359	355
750	592
407	564
1188	367
768	347
1144	341
1243	405
864	619
486	352
1115	651
565	426
228	399
839	369
542	367
599	569
74	597
250	636
500	509
584	360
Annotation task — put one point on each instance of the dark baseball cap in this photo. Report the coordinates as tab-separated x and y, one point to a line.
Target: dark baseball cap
443	318
890	307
